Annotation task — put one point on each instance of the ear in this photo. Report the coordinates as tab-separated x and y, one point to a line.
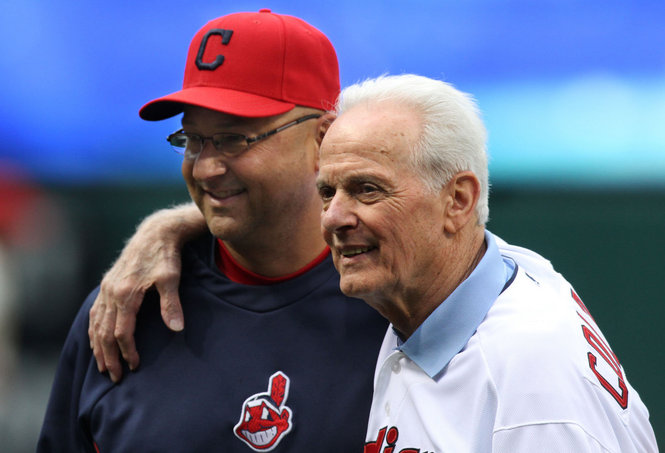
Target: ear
462	193
322	125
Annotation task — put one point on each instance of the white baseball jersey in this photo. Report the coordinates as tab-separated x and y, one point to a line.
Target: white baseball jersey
511	362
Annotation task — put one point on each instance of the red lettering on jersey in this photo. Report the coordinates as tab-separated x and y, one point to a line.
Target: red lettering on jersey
375	447
390	436
579	302
603	349
622	398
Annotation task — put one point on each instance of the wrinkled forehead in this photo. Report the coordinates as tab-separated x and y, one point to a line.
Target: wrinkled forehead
371	131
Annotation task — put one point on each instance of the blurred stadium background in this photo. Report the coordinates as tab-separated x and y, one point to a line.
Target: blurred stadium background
573	94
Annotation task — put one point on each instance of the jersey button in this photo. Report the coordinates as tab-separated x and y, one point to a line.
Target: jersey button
396	367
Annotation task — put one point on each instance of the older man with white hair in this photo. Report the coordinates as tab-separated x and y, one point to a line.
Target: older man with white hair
489	349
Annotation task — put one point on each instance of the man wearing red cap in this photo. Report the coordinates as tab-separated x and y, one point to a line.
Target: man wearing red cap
273	356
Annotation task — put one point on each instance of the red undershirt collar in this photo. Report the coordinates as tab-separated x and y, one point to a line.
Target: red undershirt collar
236	273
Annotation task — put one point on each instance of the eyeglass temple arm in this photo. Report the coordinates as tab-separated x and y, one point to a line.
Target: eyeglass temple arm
281	128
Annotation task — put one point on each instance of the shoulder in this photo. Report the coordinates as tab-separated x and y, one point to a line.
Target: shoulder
532	331
549	363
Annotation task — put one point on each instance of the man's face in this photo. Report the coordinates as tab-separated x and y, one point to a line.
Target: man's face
253	197
378	217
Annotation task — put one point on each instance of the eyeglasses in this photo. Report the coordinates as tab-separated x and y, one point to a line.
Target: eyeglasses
227	143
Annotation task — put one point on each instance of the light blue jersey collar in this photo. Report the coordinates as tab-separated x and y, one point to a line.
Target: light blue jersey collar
450	326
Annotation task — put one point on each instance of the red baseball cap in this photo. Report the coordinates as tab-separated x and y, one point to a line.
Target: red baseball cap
254	65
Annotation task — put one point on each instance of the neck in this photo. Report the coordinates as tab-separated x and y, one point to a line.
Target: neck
459	260
282	252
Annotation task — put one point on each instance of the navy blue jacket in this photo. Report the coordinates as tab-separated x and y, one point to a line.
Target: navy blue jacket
284	368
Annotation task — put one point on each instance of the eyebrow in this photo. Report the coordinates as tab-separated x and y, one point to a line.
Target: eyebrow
352	180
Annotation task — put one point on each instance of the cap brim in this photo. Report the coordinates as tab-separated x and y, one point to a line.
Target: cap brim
220	99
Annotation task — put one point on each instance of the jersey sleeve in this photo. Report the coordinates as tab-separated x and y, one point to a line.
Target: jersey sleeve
63	429
560	387
546	437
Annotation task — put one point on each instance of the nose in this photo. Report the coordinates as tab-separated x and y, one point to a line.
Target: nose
338	214
209	163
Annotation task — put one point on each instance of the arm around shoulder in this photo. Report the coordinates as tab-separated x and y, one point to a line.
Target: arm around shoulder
151	258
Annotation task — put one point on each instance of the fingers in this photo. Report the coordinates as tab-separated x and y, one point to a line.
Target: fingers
169	301
102	338
124	331
100	330
169	298
94	332
109	347
112	324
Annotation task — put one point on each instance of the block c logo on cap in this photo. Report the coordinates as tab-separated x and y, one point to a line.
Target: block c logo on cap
226	37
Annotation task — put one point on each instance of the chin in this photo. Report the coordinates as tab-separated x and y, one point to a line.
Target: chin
223	228
354	287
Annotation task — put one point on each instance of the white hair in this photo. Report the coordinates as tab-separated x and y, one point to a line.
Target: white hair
453	137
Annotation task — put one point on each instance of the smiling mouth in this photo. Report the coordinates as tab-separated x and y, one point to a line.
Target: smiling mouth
355	251
261	438
224	194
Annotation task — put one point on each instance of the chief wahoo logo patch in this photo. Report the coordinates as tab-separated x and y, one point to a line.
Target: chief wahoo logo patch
265	419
